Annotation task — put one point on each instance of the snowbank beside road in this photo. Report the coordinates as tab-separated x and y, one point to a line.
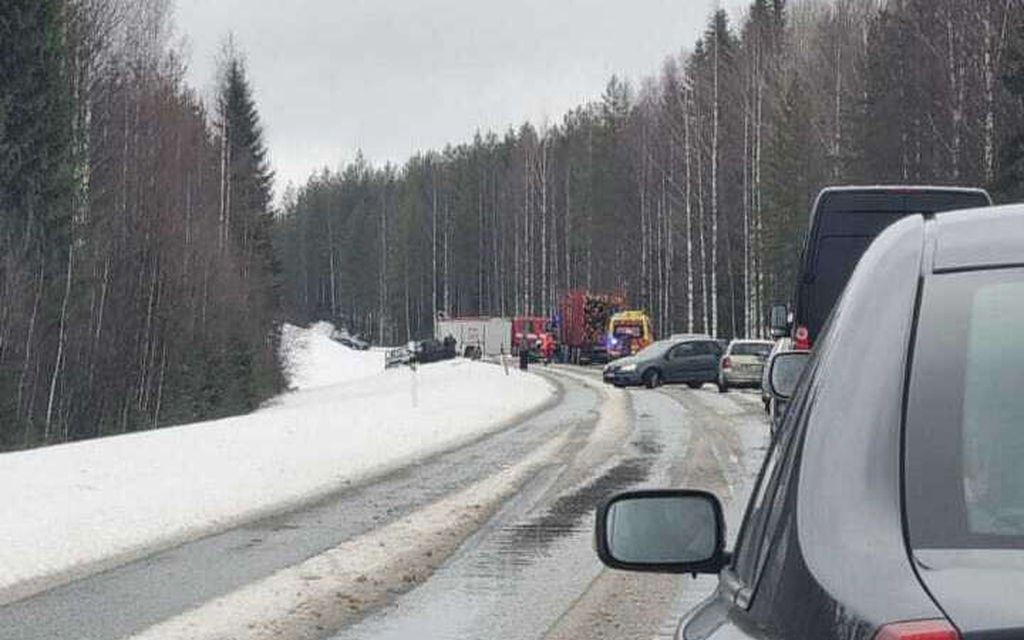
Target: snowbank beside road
312	359
73	509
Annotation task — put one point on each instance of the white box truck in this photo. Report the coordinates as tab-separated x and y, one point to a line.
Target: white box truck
491	335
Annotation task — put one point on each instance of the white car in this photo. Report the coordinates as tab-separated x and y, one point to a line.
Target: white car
742	364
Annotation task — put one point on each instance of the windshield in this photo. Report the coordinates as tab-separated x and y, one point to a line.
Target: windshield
655	349
965	437
631	329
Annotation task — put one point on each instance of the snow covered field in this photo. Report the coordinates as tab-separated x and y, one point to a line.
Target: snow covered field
73	509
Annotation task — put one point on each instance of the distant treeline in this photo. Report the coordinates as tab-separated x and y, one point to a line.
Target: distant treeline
689	192
135	257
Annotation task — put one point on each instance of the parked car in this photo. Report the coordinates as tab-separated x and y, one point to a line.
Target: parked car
844	221
693	361
891	505
743	363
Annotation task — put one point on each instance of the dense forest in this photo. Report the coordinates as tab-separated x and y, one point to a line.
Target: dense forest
145	270
688	191
135	228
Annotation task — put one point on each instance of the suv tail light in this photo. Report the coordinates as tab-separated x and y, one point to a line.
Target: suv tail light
918	630
801	338
726	363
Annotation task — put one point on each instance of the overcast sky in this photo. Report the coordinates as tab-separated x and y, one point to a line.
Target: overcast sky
392	77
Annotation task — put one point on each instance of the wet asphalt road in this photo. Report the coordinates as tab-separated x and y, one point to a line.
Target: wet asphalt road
526	571
529	572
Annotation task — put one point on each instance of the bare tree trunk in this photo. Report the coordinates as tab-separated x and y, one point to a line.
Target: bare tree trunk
482	307
747	206
445	254
382	288
29	341
837	137
61	335
956	87
225	185
334	274
688	163
567	245
160	386
433	245
714	195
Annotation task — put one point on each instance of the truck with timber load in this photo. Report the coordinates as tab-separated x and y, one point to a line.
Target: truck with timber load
582	319
628	332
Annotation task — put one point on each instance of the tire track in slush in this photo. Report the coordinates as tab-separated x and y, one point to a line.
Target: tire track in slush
534	555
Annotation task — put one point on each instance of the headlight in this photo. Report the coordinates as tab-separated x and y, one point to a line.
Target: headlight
628	368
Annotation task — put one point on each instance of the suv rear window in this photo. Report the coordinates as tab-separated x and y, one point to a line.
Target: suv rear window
965	422
844	225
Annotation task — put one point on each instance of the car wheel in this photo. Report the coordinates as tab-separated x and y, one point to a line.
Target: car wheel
695	385
652	379
722	385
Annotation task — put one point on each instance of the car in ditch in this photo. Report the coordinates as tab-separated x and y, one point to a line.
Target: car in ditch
891	504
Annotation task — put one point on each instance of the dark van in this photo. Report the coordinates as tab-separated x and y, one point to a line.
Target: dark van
843	223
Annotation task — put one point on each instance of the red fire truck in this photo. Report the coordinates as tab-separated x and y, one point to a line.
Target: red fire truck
533	329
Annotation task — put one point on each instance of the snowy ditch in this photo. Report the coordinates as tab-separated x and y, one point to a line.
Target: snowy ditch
76	509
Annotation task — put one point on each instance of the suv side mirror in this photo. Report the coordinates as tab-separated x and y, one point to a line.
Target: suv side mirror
778	320
662	531
784	372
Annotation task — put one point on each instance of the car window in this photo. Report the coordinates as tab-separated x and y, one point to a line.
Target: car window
835	260
704	348
684	350
965	439
764	516
763	510
751	349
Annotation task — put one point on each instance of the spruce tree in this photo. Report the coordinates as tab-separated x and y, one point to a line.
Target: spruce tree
249	370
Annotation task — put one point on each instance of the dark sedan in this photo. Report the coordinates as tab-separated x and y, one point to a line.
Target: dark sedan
691	360
891	504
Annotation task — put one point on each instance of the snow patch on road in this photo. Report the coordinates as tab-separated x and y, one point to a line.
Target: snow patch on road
71	510
328	590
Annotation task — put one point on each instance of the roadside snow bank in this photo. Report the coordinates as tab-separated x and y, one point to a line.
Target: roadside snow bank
72	510
313	359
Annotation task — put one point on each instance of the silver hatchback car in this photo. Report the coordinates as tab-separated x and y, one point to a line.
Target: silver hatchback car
743	363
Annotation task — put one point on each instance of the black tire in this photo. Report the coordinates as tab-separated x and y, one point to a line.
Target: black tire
722	385
652	379
695	385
